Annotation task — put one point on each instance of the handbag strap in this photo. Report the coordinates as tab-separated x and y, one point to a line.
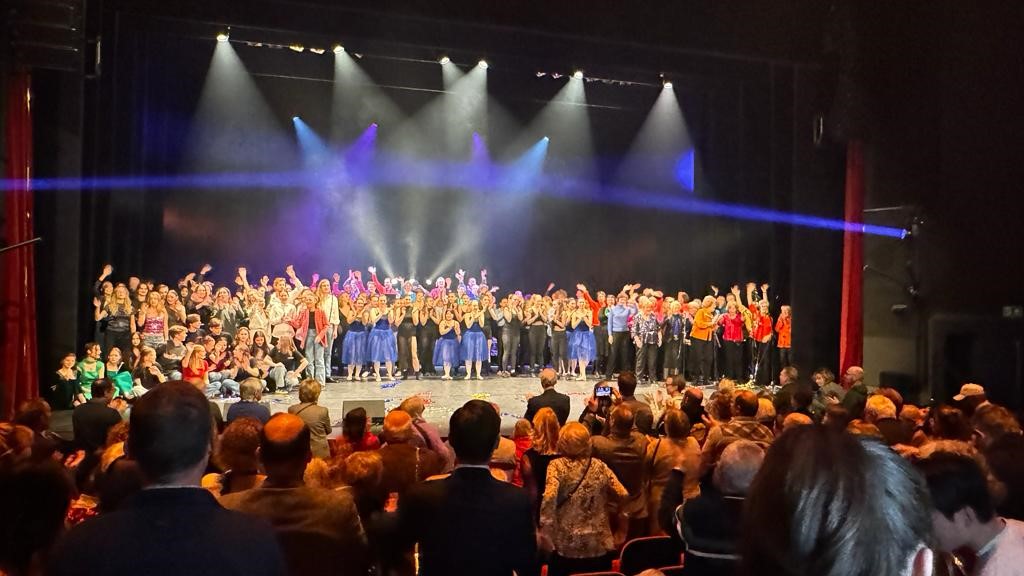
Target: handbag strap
577	486
650	465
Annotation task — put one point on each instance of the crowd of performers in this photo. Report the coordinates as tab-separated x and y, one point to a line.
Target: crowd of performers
282	329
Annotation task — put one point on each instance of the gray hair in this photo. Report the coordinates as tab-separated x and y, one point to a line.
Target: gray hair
737	467
250	389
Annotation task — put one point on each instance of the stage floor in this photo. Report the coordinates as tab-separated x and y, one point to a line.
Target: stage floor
442	397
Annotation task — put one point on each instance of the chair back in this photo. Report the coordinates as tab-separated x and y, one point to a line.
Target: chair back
640	554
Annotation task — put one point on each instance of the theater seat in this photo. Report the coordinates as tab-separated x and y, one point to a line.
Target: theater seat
640	554
672	571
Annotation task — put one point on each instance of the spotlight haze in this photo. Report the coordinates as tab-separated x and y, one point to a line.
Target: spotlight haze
338	49
578	75
223	37
483	64
445	60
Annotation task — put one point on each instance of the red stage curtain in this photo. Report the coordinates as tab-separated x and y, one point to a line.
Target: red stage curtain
851	340
18	370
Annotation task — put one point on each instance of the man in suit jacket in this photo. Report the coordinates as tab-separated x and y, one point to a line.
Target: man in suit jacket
172	526
549	398
318	529
316	417
470	523
92	420
624	451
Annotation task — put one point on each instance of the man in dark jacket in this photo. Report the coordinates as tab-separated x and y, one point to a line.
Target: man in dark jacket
92	420
549	398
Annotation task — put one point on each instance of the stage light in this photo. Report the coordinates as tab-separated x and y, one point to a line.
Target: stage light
667	84
297	47
546	139
445	60
223	37
295	118
482	64
317	50
338	49
578	75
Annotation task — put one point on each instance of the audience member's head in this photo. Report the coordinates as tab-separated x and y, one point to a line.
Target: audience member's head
823	376
363	470
677	424
353	426
823	498
522	429
238	449
737	467
970	397
171	431
912	414
992	422
727	386
284	447
627	383
309	391
765	412
693	403
15	443
34	498
250	390
836	416
102	389
643	420
34	414
853	376
118	433
545	431
801	400
721	407
893	395
473	431
949	423
745	403
117	479
788	375
413	406
397	427
861	428
574	441
877	408
964	513
548	378
795	419
621	421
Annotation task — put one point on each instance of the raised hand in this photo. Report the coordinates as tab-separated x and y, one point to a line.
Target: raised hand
290	271
764	288
107	270
238	280
751	286
336	277
96	302
714	289
206	268
264	281
371	269
581	287
735	290
242	271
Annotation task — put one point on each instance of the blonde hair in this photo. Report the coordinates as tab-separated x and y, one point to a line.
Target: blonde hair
363	468
879	407
574	441
545	431
309	390
523	429
413	406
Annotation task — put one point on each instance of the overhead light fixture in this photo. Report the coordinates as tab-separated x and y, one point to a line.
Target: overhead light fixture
317	50
578	74
482	64
223	37
338	49
667	84
295	118
297	47
445	60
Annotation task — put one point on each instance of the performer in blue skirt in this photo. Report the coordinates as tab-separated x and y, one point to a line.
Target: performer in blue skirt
353	347
446	349
474	343
583	347
380	343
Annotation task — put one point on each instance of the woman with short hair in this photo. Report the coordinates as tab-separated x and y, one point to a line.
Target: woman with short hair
317	418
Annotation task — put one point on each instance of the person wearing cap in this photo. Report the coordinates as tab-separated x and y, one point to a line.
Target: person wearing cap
971	397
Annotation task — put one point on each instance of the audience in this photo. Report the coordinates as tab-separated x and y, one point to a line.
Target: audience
549	398
623	450
35	415
173	526
578	490
237	455
543	449
971	397
317	418
318	529
741	426
643	417
405	464
355	434
92	419
676	449
828	503
427	435
250	392
881	411
998	436
34	498
470	523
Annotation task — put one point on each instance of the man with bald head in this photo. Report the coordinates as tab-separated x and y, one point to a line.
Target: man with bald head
318	529
550	398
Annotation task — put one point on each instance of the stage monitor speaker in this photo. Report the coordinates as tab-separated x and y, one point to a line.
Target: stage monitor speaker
374	409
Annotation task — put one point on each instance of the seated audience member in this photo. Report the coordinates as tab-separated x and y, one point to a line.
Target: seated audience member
789	383
173	526
35	415
315	526
522	435
827	392
676	449
404	463
766	413
948	423
964	517
623	450
316	417
801	401
427	433
857	392
237	457
836	417
828	503
470	523
34	499
693	406
893	395
794	419
549	398
250	392
170	355
117	480
970	398
998	436
709	525
543	449
881	411
92	420
742	426
643	418
355	434
914	417
577	491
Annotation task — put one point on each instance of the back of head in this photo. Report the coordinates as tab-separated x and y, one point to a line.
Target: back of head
239	445
353	426
363	469
284	440
34	498
677	424
746	403
523	429
992	422
893	395
959	490
621	420
548	378
627	383
836	416
34	414
101	387
397	427
413	406
879	407
574	441
796	419
950	423
823	499
545	431
765	412
473	432
250	389
737	467
171	429
309	390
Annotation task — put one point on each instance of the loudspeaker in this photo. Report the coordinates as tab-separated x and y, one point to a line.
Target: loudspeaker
374	409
